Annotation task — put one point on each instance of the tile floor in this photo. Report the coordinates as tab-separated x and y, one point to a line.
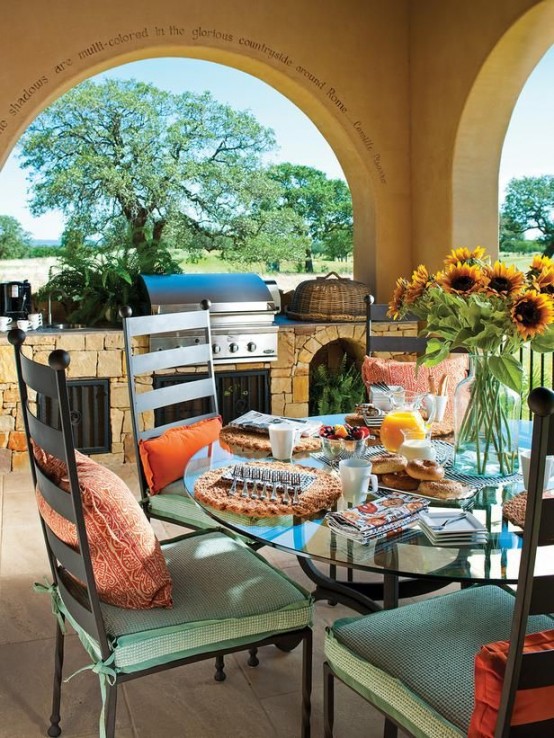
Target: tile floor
184	702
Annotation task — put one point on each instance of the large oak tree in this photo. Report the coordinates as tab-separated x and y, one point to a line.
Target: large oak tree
126	151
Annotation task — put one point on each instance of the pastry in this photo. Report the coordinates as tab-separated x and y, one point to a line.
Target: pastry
425	470
388	463
445	489
400	480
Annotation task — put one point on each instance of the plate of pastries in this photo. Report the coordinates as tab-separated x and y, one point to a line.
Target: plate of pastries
420	477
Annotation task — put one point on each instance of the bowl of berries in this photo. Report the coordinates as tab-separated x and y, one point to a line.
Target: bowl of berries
340	441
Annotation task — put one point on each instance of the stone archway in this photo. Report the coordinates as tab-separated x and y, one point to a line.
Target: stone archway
484	122
292	61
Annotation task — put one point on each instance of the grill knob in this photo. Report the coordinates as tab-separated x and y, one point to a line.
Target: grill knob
233	348
216	348
251	346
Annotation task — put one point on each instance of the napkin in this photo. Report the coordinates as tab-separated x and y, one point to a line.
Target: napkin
385	515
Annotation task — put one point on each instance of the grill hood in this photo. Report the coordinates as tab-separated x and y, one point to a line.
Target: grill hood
228	293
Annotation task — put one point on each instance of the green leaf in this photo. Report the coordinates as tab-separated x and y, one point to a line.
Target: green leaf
544	343
508	371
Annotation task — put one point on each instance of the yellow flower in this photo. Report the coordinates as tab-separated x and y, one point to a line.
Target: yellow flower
397	301
463	255
541	262
503	280
463	279
532	313
544	281
418	285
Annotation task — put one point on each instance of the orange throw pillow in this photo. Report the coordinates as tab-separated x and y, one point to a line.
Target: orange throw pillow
531	705
403	374
128	565
164	458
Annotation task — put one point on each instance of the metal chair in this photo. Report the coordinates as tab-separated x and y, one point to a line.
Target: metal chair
187	401
395	344
415	664
226	597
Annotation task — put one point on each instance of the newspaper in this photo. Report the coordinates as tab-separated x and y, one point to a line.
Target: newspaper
260	422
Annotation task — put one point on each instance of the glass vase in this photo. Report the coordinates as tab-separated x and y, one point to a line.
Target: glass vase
486	423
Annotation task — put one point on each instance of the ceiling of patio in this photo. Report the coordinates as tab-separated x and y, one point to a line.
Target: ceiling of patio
414	96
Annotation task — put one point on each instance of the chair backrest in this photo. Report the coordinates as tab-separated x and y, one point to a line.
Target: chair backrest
56	438
395	344
535	592
182	395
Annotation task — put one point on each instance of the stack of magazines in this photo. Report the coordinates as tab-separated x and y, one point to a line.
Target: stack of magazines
260	422
386	516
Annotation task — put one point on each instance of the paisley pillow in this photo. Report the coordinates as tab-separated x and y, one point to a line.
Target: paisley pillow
128	565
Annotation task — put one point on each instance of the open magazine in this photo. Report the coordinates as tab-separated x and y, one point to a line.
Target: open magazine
260	422
385	515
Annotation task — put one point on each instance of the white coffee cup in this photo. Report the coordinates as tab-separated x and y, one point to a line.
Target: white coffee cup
4	322
355	477
525	464
35	319
283	438
23	325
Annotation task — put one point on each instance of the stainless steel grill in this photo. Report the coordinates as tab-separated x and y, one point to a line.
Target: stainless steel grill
242	312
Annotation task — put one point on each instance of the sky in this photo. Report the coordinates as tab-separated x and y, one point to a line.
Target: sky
528	148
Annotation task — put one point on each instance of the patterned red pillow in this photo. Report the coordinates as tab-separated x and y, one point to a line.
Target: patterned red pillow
403	374
129	568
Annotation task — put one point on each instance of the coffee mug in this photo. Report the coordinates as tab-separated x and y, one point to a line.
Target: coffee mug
23	325
283	438
355	477
525	464
4	322
35	319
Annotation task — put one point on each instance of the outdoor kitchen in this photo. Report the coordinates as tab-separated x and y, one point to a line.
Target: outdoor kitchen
262	356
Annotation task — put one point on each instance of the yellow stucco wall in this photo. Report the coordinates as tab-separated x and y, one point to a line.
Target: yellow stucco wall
387	82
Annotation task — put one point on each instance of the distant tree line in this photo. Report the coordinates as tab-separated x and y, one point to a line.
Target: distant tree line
149	179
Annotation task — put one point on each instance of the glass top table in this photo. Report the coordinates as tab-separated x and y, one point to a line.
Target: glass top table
410	554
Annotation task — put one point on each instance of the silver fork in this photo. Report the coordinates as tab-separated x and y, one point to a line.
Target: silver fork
235	475
296	487
255	477
286	485
246	478
274	482
266	479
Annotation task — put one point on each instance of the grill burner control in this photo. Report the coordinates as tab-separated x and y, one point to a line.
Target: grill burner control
216	348
251	346
233	348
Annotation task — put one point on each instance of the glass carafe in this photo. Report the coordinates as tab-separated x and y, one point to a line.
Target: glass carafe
403	417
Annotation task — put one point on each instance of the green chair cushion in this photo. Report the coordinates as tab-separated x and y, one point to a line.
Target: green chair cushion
224	595
175	504
429	647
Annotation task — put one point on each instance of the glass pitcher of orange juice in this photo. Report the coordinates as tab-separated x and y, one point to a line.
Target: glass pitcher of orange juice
404	416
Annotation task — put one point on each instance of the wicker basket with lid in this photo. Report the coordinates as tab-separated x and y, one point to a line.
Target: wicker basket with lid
324	299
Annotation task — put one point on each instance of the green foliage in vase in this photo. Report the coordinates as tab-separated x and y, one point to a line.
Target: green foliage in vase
336	391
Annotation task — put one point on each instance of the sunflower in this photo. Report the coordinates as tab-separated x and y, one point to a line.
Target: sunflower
503	280
462	279
418	285
544	281
532	313
464	255
541	262
397	301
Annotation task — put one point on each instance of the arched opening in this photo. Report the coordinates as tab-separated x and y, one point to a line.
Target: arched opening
484	122
323	113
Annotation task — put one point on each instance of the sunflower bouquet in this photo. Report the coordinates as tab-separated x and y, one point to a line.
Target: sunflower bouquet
491	310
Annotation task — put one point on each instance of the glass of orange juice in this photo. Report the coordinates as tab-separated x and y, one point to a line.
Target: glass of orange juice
404	416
